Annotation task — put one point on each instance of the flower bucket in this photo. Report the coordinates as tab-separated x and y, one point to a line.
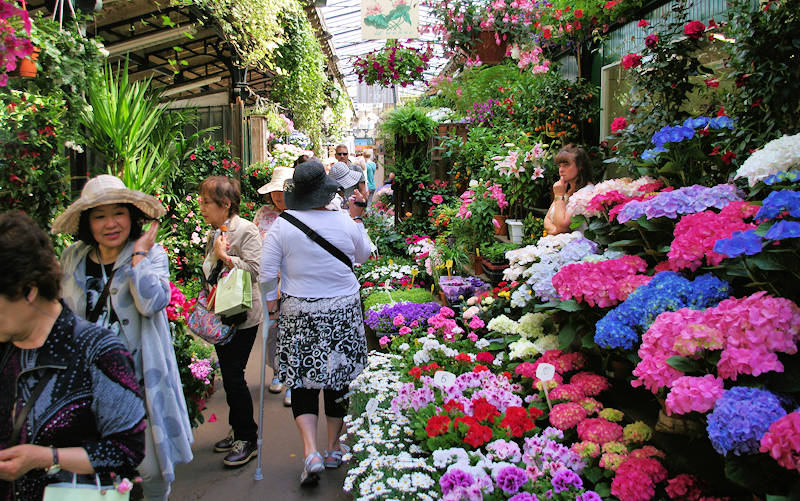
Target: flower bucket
27	67
487	50
514	230
499	223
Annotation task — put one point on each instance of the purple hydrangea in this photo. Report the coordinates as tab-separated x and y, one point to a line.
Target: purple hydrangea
740	419
688	200
511	478
381	321
455	478
565	479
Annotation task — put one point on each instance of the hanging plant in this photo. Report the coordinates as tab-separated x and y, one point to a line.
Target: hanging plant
394	64
14	44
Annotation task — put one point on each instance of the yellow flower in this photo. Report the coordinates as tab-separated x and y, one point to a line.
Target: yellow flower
544	233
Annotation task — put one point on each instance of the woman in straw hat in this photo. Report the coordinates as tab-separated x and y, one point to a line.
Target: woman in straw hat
321	342
266	215
117	276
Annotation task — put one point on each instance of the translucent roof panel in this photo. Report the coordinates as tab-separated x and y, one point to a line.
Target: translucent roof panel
342	19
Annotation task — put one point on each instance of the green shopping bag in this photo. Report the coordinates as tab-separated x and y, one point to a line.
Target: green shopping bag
234	293
73	491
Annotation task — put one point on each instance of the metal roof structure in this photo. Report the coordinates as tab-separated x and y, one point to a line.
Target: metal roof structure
341	20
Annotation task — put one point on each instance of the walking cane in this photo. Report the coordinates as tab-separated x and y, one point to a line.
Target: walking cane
264	287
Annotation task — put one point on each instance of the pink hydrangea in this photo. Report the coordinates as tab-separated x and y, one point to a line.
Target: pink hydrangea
567	415
684	487
603	284
591	384
591	405
586	449
567	392
782	441
612	460
694	394
599	430
696	234
636	479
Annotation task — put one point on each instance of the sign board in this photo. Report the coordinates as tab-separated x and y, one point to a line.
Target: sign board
444	378
545	372
381	19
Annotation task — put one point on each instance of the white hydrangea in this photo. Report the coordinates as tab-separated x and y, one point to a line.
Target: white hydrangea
531	325
546	343
578	201
520	259
502	325
523	348
778	155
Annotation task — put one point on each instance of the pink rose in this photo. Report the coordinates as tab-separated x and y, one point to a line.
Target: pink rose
384	341
651	40
643	22
618	124
124	486
437	199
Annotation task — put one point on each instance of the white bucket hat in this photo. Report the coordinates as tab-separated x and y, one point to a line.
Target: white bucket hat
343	175
279	176
103	190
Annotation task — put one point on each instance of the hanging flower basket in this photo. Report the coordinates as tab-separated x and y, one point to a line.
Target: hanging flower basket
487	49
27	67
394	64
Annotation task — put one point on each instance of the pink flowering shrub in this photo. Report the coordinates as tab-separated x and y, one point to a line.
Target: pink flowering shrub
590	384
178	307
567	415
696	234
637	477
698	394
567	392
603	284
782	441
599	431
684	486
750	332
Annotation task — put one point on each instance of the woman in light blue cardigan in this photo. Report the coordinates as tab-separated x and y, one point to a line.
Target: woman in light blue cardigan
107	219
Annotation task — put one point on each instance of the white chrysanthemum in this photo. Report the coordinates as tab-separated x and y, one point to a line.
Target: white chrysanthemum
778	155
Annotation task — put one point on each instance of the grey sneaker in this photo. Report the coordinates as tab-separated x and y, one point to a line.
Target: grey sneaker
242	452
276	386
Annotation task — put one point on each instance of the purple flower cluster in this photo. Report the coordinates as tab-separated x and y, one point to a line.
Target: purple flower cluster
566	479
524	496
455	478
482	113
456	288
511	479
740	418
382	321
547	454
688	200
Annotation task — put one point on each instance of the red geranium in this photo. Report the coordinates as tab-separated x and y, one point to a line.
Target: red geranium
463	357
480	368
618	124
482	410
694	29
437	425
535	412
453	405
415	372
478	435
517	421
484	357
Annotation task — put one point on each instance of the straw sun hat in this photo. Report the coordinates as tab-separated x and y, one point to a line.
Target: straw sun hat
103	190
279	176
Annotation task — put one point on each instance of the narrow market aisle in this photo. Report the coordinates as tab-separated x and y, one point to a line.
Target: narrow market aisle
207	479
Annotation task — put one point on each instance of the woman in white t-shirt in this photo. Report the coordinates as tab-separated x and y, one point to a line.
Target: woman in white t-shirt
321	341
575	172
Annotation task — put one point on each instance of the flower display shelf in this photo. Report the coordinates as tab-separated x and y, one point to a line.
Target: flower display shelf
487	50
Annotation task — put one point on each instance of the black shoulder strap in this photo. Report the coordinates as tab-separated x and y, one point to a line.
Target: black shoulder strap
313	235
98	306
19	419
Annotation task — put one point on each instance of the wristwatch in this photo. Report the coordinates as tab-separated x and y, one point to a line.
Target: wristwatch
55	467
561	197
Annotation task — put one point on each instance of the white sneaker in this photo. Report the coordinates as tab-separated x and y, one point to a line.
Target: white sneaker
275	386
287	399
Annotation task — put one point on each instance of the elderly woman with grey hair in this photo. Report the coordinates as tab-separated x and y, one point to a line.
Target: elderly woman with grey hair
321	342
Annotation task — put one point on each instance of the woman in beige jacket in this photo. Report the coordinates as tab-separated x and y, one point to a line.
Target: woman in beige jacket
233	243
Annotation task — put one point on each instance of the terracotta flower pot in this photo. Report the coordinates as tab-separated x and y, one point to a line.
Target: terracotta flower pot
487	50
500	227
27	67
477	264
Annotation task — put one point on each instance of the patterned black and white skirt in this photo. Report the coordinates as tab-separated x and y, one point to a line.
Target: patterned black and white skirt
321	341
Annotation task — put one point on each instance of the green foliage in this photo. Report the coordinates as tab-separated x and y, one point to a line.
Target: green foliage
409	120
252	27
765	102
301	83
211	158
383	234
495	252
412	295
532	229
183	235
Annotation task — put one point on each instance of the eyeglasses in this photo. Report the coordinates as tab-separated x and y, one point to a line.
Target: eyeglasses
341	154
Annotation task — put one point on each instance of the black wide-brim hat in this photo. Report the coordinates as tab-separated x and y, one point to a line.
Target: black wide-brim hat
310	187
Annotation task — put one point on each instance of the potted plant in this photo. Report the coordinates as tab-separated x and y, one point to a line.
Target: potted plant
15	45
394	64
494	259
410	123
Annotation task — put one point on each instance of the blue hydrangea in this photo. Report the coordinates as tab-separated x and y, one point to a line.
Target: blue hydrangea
741	242
740	418
782	230
793	176
722	122
667	291
686	200
678	133
779	202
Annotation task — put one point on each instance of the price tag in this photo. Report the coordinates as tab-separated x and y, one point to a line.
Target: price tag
477	252
414	272
432	285
444	378
545	372
391	262
372	406
449	265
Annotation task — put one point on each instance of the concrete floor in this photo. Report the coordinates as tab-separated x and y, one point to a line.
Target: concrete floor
205	478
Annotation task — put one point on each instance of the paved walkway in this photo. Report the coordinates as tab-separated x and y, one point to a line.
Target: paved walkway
207	479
